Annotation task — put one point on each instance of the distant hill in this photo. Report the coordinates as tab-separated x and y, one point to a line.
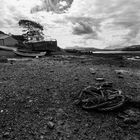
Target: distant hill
127	48
83	48
131	48
114	47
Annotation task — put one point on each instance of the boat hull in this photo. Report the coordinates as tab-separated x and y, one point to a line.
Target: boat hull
29	54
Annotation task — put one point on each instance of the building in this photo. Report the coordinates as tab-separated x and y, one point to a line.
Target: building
19	38
49	46
17	41
6	40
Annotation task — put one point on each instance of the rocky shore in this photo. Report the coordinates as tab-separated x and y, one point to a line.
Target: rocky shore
37	98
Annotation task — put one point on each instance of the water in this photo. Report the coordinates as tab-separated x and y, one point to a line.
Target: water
116	52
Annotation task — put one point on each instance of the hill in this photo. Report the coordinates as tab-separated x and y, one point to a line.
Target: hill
124	48
87	49
131	48
114	47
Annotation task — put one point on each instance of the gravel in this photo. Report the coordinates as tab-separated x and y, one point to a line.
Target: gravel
33	91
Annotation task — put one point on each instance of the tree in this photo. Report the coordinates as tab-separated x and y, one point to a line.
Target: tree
30	24
32	30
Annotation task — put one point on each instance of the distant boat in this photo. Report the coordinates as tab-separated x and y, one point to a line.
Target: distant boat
27	53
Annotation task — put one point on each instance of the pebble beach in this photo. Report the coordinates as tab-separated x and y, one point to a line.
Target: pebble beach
38	98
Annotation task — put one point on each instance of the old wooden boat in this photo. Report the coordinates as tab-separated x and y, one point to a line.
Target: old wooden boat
25	53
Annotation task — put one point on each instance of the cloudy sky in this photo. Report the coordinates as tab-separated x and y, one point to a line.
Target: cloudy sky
84	23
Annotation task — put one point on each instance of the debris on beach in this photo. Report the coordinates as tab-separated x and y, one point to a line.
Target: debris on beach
129	117
6	135
50	125
107	85
134	58
103	98
100	79
92	71
76	78
120	73
134	102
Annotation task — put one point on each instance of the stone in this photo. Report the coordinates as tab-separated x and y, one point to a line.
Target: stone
50	125
75	130
92	71
61	122
130	116
30	101
50	118
6	135
41	137
100	79
51	70
86	125
107	85
131	121
77	102
76	78
120	76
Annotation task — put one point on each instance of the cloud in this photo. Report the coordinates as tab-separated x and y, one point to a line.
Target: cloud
97	23
125	17
82	28
12	11
117	21
57	6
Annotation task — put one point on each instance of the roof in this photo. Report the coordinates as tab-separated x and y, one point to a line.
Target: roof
1	32
3	36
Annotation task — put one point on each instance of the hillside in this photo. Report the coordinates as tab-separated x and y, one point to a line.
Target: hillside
132	48
128	48
114	47
83	48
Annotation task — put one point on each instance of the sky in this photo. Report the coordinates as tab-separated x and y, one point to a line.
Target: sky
83	23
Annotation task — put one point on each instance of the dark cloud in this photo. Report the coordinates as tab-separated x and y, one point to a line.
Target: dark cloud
82	28
87	26
55	6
